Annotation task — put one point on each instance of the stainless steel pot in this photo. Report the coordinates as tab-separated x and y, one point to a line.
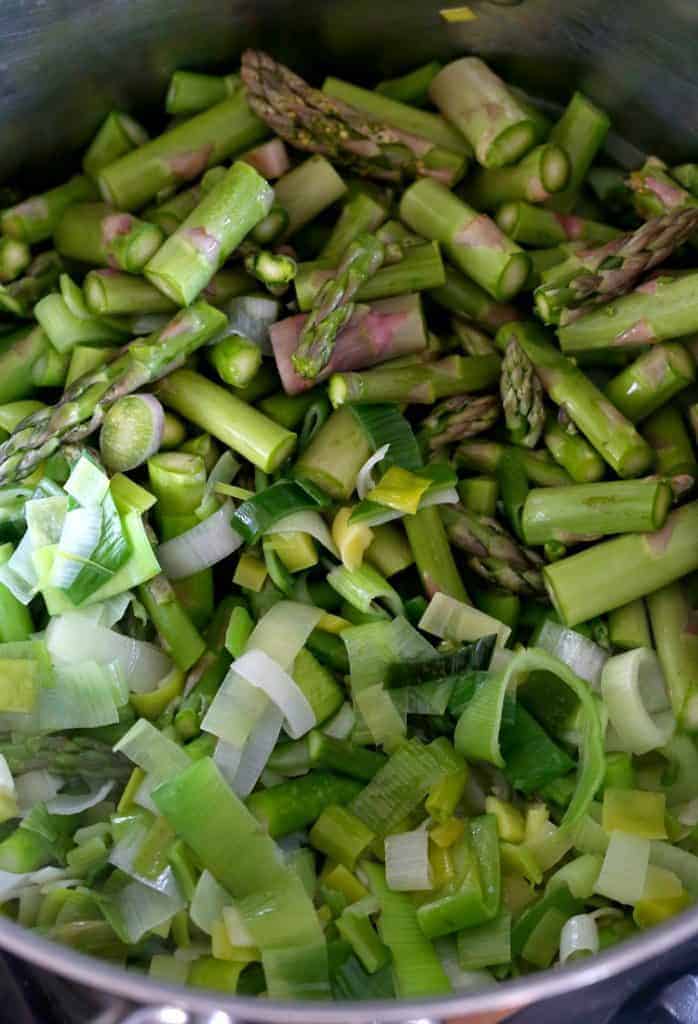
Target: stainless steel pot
65	63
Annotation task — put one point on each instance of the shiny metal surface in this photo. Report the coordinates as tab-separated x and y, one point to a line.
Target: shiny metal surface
65	63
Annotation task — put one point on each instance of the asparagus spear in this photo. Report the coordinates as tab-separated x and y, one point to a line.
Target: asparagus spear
111	293
613	436
432	554
64	755
118	134
191	91
581	131
687	175
19	297
421	384
471	239
522	397
15	256
312	120
595	275
662	308
81	409
306	191
664	430
96	233
543	171
534	225
572	451
651	381
656	192
34	220
458	418
413	87
385	330
620	570
493	553
27	361
462	296
335	455
673	628
333	305
361	213
486	456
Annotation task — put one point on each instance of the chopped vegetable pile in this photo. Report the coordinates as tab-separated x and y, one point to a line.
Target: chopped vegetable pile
348	549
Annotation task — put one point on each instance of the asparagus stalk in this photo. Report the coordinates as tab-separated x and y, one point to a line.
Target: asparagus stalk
181	154
628	626
471	240
96	233
486	457
168	215
81	409
190	91
656	192
498	126
236	360
534	225
423	384
420	268
651	381
522	397
275	270
664	430
611	434
462	296
177	479
479	494
27	361
473	341
270	159
623	569
413	87
335	455
228	284
19	297
118	134
111	293
572	452
587	511
595	275
432	554
542	172
676	641
34	220
492	552
687	175
15	256
232	421
315	121
178	634
333	305
458	418
581	132
361	213
64	755
191	256
131	432
386	330
306	191
609	185
15	618
662	308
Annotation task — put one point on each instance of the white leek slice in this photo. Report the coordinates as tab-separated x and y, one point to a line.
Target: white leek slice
450	619
624	869
201	547
238	932
19	574
257	750
142	909
579	936
283	631
36	787
341	724
267	675
634	692
79	538
309	522
87	483
364	480
407	867
583	656
70	804
152	751
83	697
208	902
45	518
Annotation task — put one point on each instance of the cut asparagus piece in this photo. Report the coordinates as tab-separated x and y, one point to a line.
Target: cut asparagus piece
676	641
191	91
620	570
306	191
581	132
656	192
486	457
432	554
543	171
664	430
423	384
15	256
458	418
611	434
522	397
651	381
462	296
572	451
111	293
96	233
413	87
496	123
471	240
81	409
493	553
27	361
335	455
535	225
117	135
34	220
361	213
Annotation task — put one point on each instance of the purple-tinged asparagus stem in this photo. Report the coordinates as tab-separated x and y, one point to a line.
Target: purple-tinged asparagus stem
535	225
494	554
96	233
462	296
34	220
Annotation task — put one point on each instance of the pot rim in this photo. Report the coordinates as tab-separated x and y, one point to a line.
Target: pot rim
503	997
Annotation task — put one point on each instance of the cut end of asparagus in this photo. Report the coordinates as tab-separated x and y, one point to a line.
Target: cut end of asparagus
514	277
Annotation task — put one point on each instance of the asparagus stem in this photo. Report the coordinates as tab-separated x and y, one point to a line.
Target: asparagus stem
25	357
270	159
64	755
471	240
611	434
362	213
475	100
676	641
485	457
191	256
335	455
543	171
432	554
473	341
492	552
628	626
170	214
651	381
610	187
522	397
307	190
19	297
275	270
478	494
386	330
333	305
581	131
272	228
462	296
15	256
664	430
656	192
661	309
288	410
572	452
420	268
34	220
236	359
587	511
620	570
297	803
131	432
423	124
594	275
413	87
178	634
423	384
232	421
181	153
534	225
389	550
458	418
190	91
111	293
178	480
228	284
95	233
118	134
687	175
